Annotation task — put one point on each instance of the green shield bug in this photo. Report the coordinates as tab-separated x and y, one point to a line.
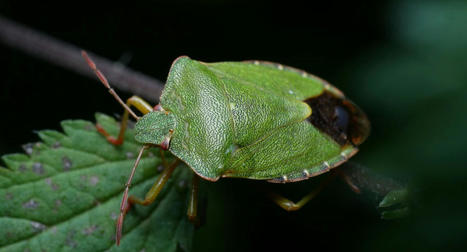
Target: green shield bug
253	119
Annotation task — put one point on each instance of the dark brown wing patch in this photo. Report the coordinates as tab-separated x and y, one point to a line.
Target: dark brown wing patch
339	118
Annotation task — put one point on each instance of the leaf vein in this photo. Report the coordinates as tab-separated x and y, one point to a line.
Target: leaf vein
77	215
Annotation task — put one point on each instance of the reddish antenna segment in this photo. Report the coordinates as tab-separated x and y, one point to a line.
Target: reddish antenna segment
104	81
124	206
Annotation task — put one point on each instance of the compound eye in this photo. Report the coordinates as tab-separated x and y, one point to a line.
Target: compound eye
341	118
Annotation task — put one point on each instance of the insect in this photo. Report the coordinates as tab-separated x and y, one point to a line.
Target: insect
253	119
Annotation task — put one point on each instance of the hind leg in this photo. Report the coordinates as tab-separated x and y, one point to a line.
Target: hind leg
192	211
289	205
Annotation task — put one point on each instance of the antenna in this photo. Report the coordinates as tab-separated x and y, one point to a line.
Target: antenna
104	81
124	206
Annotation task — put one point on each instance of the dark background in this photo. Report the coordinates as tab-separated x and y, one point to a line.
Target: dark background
403	62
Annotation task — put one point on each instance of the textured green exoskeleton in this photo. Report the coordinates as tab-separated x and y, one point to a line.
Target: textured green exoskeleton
254	120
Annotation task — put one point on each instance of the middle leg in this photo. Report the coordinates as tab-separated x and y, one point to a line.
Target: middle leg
148	199
156	188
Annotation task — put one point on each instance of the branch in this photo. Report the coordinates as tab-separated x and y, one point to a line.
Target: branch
69	57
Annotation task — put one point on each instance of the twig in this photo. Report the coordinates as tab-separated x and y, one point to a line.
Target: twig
69	56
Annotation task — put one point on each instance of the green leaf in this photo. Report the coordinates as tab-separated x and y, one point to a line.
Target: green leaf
394	197
395	204
65	195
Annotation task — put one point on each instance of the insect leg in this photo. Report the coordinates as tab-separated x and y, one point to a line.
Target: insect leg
157	187
134	101
193	205
148	199
348	180
164	160
289	205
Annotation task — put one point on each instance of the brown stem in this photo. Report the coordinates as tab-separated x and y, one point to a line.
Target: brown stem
69	56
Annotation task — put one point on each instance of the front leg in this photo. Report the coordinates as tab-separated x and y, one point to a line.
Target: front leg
134	101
